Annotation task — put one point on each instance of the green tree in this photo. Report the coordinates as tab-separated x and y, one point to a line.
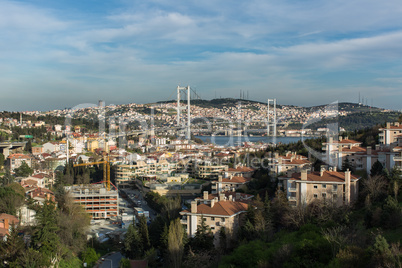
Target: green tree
176	243
11	198
90	256
12	248
28	146
203	239
133	247
23	171
143	231
376	169
1	161
45	238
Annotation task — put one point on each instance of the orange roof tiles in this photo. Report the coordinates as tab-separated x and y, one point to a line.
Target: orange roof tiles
223	208
329	176
236	179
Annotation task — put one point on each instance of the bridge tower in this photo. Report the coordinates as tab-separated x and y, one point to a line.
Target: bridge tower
180	124
271	120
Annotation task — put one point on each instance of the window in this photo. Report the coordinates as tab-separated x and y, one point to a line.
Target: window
335	187
324	195
223	219
335	196
315	195
324	186
315	186
212	218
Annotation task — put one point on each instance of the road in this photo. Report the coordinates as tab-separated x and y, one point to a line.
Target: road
144	204
110	261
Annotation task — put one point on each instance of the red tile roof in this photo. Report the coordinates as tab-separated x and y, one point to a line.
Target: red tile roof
19	156
223	208
329	176
241	169
236	179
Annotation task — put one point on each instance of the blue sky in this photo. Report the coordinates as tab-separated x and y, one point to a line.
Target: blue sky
56	54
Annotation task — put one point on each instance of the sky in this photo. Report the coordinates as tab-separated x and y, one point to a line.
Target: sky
57	54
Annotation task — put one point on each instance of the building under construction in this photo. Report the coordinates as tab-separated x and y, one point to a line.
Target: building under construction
97	200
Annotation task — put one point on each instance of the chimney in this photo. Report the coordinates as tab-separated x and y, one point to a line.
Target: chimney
219	178
230	197
347	186
221	197
388	125
322	169
205	195
334	168
213	203
368	150
193	206
304	175
6	225
377	147
238	195
340	138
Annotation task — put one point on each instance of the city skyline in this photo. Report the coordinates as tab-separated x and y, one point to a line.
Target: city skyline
60	53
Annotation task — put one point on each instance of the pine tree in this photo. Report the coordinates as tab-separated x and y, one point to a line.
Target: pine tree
204	239
23	171
45	238
143	231
133	247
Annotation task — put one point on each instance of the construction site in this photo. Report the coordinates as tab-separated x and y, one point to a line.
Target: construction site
99	200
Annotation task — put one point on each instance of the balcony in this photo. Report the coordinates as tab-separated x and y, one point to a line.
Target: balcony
397	158
292	189
292	198
183	221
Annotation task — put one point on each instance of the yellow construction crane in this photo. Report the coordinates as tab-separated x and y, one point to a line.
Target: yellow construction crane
106	169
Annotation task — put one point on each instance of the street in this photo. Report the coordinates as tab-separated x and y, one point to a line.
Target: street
110	261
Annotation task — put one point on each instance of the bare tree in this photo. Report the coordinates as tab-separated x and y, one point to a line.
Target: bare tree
375	187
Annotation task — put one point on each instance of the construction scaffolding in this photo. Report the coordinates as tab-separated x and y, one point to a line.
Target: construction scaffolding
99	202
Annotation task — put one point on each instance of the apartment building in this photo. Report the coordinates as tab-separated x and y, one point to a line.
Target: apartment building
389	135
330	185
241	171
15	160
290	162
97	201
126	172
398	150
208	170
235	196
219	212
232	183
359	158
37	150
